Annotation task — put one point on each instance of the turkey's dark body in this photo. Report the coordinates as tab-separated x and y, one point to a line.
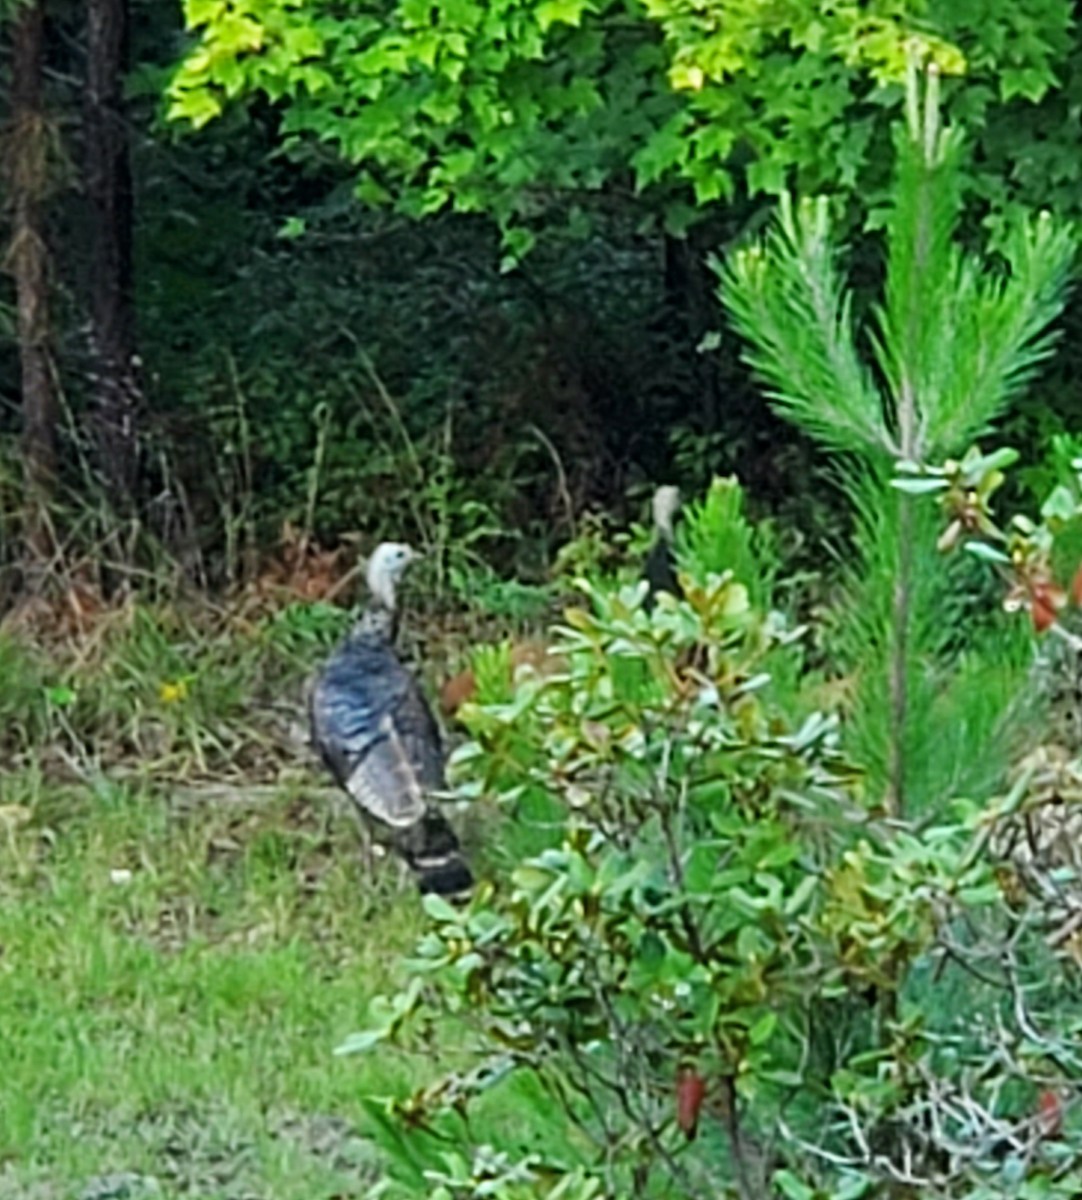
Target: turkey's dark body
379	739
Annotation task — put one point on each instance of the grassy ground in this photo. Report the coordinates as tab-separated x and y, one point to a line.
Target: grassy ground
187	926
173	980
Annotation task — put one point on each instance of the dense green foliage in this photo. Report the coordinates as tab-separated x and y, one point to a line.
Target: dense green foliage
781	878
719	919
705	951
516	107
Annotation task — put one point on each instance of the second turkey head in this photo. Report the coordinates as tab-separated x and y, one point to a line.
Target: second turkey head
666	505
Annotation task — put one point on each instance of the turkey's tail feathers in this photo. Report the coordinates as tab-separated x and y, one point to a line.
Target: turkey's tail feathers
451	878
432	851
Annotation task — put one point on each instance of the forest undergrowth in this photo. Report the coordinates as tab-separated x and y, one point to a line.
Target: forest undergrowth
193	921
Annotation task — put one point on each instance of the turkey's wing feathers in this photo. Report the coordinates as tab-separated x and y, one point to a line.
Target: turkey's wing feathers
384	779
377	735
416	728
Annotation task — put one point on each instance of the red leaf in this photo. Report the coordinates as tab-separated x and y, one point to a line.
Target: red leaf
1049	1114
1046	599
690	1090
1042	613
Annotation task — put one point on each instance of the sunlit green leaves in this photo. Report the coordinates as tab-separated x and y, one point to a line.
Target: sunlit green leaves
198	13
567	12
562	96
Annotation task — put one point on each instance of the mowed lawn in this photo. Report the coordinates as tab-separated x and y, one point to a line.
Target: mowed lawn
175	973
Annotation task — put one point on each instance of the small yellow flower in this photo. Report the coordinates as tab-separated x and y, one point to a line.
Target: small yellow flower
172	693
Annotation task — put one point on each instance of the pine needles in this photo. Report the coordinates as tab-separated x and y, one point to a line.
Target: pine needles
955	340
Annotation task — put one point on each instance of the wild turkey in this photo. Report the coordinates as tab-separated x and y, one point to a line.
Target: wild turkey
379	739
660	569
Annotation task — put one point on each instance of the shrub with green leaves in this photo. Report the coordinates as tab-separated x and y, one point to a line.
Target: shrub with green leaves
703	967
670	923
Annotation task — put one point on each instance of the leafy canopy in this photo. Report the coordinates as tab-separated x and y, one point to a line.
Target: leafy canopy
504	106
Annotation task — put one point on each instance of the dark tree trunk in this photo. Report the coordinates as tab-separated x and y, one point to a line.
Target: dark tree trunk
116	388
27	178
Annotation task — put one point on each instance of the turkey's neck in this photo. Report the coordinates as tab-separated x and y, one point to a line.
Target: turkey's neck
378	623
663	527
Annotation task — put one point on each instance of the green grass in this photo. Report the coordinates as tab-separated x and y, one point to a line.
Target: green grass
172	1033
188	928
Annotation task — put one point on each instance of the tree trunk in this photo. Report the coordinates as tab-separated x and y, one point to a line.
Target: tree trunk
27	177
116	389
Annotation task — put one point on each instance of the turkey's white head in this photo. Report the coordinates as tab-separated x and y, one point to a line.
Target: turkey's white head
666	505
386	566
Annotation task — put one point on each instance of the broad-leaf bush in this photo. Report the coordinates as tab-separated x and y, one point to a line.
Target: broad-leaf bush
715	964
671	923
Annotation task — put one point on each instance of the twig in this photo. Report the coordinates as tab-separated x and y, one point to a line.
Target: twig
561	477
